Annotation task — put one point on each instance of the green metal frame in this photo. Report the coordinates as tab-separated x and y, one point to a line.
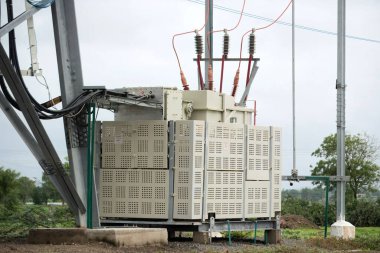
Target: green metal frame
90	159
326	179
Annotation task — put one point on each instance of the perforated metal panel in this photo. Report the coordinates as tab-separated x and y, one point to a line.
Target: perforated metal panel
189	166
258	153
134	193
225	146
257	199
134	144
225	194
189	144
277	168
188	191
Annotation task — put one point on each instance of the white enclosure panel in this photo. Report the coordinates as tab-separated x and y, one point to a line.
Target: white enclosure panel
133	193
277	168
225	146
189	144
135	144
257	199
258	153
188	192
225	194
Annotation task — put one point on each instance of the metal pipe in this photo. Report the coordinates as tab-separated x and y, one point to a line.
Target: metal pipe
341	121
294	168
229	233
248	87
327	205
209	38
5	29
255	233
90	159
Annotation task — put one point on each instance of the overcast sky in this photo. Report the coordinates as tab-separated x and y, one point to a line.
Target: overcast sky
128	43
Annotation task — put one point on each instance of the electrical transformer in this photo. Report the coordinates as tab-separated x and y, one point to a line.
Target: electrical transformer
187	155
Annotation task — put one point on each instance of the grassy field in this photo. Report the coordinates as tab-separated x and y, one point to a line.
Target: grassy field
16	224
311	240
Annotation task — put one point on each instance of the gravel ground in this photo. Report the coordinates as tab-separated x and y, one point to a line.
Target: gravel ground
175	246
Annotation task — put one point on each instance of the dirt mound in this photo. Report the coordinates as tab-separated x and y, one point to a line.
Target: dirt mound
296	221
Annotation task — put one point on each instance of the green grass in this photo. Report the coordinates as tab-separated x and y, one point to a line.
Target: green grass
312	240
18	222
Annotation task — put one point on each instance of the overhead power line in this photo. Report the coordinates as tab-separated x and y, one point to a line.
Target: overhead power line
219	7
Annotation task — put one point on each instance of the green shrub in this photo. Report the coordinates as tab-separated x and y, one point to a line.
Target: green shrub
364	213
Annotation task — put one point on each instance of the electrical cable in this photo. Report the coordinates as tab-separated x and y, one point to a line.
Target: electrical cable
307	28
253	31
226	30
183	78
45	84
210	71
42	111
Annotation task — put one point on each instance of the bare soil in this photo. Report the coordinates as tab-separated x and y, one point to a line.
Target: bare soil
296	221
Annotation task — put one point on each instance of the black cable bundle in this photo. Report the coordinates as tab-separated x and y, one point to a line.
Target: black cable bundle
43	112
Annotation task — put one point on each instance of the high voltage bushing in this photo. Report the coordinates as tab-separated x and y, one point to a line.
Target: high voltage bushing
252	43
198	44
226	44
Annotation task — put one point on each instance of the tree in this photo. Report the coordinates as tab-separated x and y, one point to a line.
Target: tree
25	188
8	187
39	196
361	154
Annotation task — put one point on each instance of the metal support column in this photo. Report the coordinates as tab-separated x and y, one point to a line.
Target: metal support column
208	37
341	104
26	136
52	166
71	83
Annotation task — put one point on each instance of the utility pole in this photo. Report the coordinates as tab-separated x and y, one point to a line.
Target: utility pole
208	37
341	228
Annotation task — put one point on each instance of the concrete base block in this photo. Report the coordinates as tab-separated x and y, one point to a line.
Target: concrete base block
343	229
273	236
129	236
201	237
57	236
116	236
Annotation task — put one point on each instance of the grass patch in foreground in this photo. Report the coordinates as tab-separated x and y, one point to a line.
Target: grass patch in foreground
311	240
367	238
18	222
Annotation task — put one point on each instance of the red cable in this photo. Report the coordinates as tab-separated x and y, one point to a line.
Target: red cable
221	75
275	21
200	72
249	69
251	30
228	30
261	28
175	51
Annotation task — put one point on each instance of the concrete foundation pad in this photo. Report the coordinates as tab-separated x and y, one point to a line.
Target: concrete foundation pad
129	236
343	229
116	236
